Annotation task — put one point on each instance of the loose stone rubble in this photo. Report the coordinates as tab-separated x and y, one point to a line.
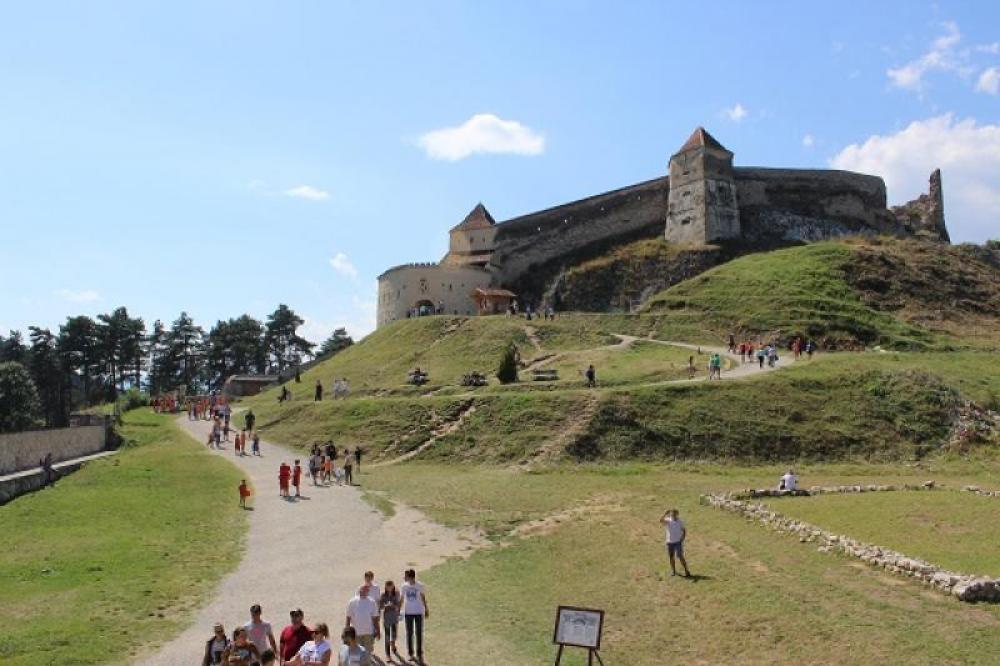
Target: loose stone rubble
976	490
751	493
964	587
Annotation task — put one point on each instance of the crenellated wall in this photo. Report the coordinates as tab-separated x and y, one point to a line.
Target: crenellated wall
403	288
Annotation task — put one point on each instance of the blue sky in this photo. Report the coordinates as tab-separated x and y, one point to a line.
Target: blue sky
224	157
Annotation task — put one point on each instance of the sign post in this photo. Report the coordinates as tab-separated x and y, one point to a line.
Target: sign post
579	627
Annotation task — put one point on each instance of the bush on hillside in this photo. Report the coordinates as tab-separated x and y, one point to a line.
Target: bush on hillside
507	374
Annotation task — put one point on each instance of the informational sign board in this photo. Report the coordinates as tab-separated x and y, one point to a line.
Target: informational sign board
579	627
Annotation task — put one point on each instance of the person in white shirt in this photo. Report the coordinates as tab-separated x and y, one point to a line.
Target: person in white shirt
353	654
415	610
259	632
789	481
676	532
362	616
317	652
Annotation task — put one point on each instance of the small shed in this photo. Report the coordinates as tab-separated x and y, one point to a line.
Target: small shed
492	301
244	386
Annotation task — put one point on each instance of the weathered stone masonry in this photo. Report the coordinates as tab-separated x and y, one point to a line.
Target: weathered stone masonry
704	199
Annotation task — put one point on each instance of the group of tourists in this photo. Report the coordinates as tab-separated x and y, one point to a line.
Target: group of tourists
341	389
373	613
164	404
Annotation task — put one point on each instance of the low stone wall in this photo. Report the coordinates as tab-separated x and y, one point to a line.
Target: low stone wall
751	493
976	490
12	488
23	450
965	587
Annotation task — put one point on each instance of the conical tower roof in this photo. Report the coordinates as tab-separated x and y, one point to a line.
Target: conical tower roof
700	138
479	218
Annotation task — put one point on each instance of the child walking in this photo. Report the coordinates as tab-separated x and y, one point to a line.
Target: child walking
244	493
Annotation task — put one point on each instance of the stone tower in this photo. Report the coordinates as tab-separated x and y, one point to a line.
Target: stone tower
702	204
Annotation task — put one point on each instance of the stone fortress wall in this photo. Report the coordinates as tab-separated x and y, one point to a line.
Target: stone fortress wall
703	200
23	450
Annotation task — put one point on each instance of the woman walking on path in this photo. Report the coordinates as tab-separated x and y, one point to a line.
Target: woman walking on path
216	646
388	605
316	652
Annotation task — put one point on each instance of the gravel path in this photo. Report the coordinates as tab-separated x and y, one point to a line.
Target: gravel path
308	554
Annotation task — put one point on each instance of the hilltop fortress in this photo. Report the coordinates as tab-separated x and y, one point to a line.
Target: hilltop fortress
702	200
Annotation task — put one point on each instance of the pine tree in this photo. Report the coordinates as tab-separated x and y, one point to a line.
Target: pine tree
19	405
507	373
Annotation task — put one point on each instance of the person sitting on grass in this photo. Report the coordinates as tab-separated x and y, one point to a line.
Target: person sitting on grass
676	532
789	481
244	493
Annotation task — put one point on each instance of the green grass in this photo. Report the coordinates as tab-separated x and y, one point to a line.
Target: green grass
118	554
949	529
798	291
765	598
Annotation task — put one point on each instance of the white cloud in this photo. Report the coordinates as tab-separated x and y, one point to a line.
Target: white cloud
307	192
993	48
967	154
808	141
942	56
82	296
736	113
482	133
989	81
343	265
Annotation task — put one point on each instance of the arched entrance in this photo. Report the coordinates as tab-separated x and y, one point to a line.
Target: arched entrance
423	308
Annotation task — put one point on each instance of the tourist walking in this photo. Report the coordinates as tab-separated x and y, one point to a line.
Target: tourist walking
676	532
250	420
241	651
244	493
315	652
352	654
294	636
216	646
389	605
284	474
315	464
256	443
591	375
357	457
363	617
297	478
415	611
347	467
259	631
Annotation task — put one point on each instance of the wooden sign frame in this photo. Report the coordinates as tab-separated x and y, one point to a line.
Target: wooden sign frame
591	649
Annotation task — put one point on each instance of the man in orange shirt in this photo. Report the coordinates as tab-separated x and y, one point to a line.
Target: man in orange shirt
284	473
297	477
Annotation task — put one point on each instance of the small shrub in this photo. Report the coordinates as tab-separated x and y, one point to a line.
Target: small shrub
507	374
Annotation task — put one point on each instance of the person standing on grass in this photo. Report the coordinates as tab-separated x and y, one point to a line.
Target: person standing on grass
347	467
250	420
297	478
259	632
244	493
389	603
294	636
415	611
676	532
241	652
591	375
216	646
363	617
319	391
357	457
692	370
352	654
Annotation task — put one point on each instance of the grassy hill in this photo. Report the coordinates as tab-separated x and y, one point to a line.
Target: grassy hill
898	294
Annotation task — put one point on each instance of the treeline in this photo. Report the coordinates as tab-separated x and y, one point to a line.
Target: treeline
92	360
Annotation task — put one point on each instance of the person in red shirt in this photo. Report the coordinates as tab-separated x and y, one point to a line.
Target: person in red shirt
244	493
293	637
284	473
297	477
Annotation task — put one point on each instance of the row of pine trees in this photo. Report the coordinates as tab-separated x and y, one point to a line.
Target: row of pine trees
93	360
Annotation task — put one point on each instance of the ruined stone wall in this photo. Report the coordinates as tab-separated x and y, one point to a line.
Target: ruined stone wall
23	450
924	216
546	239
402	288
788	205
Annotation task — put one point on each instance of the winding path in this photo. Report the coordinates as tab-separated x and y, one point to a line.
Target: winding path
308	554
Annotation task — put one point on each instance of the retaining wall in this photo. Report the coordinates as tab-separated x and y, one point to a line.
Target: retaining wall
23	450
